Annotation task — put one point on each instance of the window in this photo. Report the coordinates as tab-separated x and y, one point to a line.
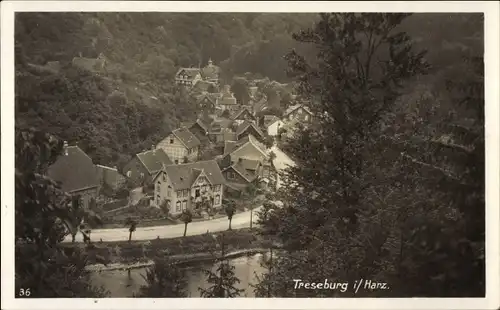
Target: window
168	204
217	199
197	193
184	205
169	191
204	188
129	173
171	141
306	117
185	193
179	194
300	111
164	177
178	206
158	199
176	161
217	188
142	174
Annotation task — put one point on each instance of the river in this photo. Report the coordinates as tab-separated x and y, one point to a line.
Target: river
118	283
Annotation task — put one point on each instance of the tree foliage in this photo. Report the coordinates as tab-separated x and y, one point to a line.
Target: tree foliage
44	216
379	190
164	279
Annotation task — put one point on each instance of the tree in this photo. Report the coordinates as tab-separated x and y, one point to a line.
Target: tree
360	73
164	206
43	218
223	280
230	209
186	217
164	279
132	227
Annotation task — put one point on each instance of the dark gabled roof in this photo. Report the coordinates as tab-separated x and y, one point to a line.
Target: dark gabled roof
270	119
241	111
186	137
245	125
229	146
240	169
190	72
108	175
229	136
153	160
295	107
183	176
227	98
211	97
74	171
249	164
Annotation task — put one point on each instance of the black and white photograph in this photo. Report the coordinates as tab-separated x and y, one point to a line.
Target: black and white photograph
244	152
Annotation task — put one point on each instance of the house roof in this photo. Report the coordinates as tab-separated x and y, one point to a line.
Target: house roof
183	176
270	119
211	97
229	136
186	137
210	71
74	171
226	100
202	85
190	72
295	107
239	167
108	175
249	164
245	125
153	160
232	146
241	111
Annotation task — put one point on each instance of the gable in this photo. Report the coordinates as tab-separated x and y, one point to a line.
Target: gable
248	151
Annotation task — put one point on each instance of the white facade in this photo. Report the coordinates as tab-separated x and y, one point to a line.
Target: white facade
272	129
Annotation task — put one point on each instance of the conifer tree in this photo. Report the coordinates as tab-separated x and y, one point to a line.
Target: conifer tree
363	64
223	280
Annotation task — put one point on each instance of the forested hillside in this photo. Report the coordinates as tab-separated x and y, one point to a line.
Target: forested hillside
125	106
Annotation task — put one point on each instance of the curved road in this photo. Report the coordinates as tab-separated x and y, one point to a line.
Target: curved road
240	220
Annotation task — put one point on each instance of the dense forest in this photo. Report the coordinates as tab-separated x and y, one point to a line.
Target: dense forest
131	103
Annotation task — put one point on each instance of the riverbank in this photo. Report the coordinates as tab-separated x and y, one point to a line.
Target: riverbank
185	260
185	249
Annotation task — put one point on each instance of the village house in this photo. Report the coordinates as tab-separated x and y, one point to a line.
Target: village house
227	102
186	186
245	161
76	174
207	102
144	166
243	114
298	112
272	124
110	177
210	73
217	130
181	146
248	127
188	76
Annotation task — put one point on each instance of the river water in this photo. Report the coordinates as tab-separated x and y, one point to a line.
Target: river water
118	283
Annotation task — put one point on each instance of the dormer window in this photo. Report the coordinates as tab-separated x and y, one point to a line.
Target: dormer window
171	140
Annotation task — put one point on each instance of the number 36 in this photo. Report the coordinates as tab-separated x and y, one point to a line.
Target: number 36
24	292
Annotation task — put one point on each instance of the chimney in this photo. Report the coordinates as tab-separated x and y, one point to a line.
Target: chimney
65	147
240	160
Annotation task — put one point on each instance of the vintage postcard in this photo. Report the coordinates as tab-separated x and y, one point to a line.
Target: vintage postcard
250	155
